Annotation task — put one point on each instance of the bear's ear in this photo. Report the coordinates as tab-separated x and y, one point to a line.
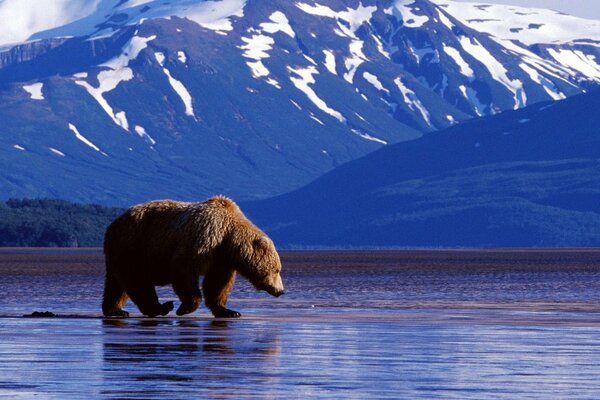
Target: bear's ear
260	243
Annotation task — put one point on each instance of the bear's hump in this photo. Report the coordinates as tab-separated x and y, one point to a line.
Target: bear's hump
161	206
223	202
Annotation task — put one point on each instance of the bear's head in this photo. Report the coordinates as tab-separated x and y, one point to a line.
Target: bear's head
260	264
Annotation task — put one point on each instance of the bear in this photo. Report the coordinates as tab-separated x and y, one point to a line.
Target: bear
167	242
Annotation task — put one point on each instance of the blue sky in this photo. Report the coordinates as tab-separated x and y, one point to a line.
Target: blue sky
582	8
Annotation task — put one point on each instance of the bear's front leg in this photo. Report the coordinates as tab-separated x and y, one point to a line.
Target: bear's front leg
186	288
166	308
144	296
158	309
216	286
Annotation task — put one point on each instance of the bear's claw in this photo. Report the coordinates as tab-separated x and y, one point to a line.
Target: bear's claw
184	310
116	313
225	313
163	309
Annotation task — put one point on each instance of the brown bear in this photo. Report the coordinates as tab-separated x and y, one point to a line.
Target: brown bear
170	242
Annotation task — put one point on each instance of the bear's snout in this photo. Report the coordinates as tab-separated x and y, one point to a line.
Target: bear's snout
274	286
274	291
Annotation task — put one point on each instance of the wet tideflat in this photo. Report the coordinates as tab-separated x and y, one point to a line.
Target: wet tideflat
465	324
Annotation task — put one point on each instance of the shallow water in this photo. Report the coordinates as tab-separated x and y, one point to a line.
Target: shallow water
464	324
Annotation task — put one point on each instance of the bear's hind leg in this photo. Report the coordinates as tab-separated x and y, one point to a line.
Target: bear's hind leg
186	288
114	297
216	286
144	296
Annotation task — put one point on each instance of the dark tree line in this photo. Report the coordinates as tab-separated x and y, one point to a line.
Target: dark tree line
53	223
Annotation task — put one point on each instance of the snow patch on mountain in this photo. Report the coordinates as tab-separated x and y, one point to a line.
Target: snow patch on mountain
135	3
330	63
129	52
464	66
84	140
295	104
527	25
546	83
35	90
258	45
404	10
302	80
182	92
420	53
273	83
160	57
56	152
118	72
177	86
121	118
348	20
279	23
412	101
141	131
577	60
317	120
258	69
496	69
215	15
444	20
373	80
471	95
548	67
357	57
210	14
368	137
256	48
380	46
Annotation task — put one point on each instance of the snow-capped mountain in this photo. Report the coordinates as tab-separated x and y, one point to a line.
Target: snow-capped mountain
118	101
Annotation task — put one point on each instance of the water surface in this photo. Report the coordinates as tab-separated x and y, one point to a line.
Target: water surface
426	324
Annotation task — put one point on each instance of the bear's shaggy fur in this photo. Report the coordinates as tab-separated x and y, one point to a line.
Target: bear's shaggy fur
170	242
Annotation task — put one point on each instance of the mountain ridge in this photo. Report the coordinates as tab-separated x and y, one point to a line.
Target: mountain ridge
251	99
512	180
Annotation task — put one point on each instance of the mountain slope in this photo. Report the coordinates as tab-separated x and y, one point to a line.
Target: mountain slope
522	178
129	100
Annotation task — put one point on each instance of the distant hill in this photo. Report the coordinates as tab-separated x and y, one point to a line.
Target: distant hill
53	223
522	178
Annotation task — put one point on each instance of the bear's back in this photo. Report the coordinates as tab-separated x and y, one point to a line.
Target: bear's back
144	222
162	226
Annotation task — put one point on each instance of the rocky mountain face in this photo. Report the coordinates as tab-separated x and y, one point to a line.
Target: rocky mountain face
118	102
523	178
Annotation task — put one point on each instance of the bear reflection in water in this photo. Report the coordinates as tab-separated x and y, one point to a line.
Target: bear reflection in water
174	243
208	352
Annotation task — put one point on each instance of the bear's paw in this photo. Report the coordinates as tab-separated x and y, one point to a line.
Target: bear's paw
223	312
